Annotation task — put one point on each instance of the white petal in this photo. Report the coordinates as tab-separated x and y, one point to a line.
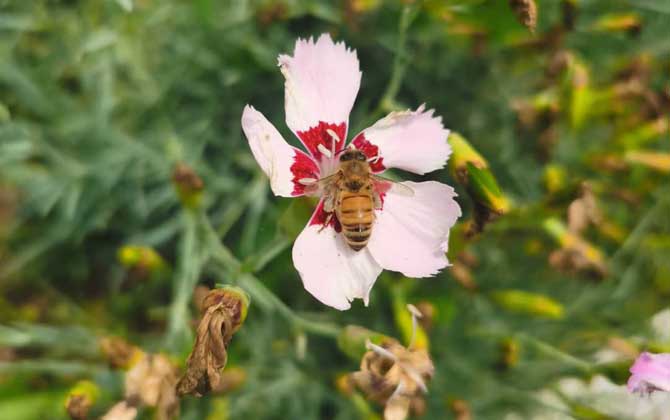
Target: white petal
322	80
330	270
414	141
411	234
283	164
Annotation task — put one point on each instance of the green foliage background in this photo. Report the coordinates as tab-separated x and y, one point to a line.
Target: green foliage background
100	99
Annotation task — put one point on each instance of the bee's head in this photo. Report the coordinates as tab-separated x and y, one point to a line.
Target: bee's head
352	154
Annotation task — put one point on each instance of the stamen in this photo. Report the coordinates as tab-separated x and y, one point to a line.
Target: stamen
336	140
380	350
307	181
373	159
327	153
398	390
416	377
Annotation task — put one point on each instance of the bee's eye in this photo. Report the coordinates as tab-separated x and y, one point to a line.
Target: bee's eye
360	156
345	157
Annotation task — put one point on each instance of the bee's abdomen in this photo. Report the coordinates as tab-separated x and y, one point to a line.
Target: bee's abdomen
356	215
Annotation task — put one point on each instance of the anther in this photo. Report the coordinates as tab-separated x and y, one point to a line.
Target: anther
321	148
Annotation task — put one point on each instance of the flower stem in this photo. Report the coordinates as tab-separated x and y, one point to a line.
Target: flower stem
387	102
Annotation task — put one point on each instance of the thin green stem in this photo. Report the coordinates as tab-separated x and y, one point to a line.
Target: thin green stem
551	351
387	102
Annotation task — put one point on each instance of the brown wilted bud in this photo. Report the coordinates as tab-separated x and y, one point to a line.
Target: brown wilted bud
80	399
271	12
463	275
121	411
461	409
119	353
583	211
223	312
151	382
395	377
188	184
526	12
428	314
78	406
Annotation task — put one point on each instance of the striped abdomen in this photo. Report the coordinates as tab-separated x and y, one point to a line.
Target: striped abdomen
355	211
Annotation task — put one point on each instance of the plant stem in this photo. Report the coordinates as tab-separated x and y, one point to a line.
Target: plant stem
387	102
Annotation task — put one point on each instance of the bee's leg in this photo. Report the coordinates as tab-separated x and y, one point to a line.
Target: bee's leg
377	200
327	222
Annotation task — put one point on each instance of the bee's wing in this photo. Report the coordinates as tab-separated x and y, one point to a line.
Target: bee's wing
319	186
385	185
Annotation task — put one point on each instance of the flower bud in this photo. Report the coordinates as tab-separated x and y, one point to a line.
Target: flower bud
529	303
80	399
143	262
223	313
188	184
471	170
654	160
630	23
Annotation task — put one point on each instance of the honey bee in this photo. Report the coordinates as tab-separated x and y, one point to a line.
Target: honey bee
352	194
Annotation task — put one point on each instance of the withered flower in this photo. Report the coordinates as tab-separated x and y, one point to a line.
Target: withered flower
526	12
395	376
151	382
223	312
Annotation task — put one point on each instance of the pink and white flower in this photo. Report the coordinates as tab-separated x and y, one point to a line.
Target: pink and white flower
410	234
650	372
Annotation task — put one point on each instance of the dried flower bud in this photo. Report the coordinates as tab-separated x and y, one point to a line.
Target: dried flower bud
429	312
188	184
121	411
461	409
224	311
80	399
151	382
526	13
119	353
583	211
576	254
395	377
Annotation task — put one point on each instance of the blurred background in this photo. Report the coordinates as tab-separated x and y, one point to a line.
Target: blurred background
127	190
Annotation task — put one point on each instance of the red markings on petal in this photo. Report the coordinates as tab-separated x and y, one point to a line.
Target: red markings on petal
315	136
320	217
371	151
303	167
